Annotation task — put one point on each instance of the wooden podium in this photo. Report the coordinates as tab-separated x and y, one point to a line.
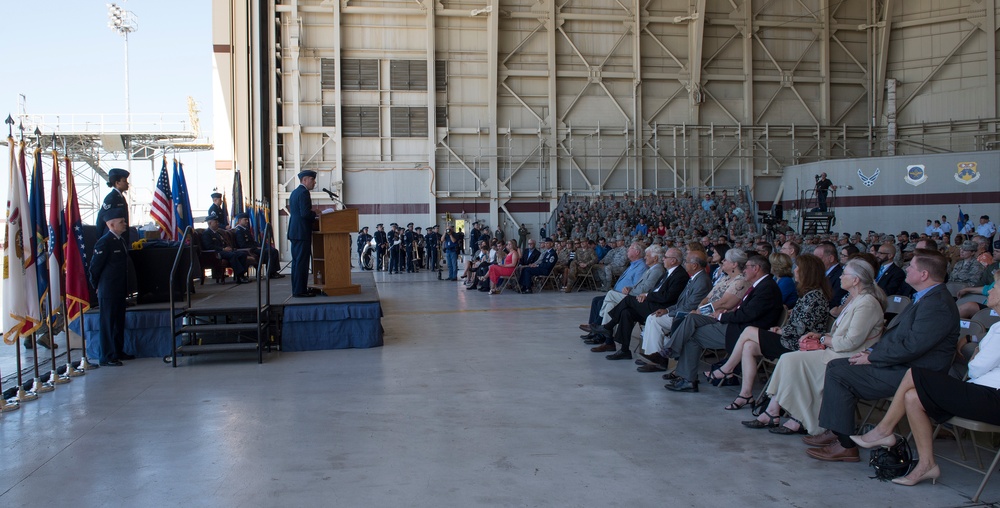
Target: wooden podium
331	252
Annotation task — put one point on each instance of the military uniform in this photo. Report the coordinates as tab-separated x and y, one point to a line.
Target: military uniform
212	240
220	214
395	240
109	274
300	224
543	267
381	244
966	271
408	238
244	240
586	257
113	201
431	246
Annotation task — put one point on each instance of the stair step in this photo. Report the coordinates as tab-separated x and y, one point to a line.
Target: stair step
225	327
191	349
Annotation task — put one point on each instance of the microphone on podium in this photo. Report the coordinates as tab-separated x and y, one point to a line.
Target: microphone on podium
333	195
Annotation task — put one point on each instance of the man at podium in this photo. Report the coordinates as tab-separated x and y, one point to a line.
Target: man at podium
300	225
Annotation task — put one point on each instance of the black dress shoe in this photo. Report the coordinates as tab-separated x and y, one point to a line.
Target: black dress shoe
303	295
621	354
125	356
682	385
670	376
276	276
594	340
112	363
655	358
650	367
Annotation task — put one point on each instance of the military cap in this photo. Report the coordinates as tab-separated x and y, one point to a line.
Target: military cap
306	172
216	195
118	212
969	245
241	215
115	174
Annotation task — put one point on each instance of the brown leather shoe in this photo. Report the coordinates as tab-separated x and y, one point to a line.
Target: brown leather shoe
585	327
834	452
604	347
656	358
820	440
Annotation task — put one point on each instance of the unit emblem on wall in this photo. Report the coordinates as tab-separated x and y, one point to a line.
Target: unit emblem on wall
868	180
915	174
967	172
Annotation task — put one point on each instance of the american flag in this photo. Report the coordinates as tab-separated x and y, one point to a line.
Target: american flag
162	209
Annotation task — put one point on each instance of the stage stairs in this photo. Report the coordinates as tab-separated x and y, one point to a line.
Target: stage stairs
817	223
226	329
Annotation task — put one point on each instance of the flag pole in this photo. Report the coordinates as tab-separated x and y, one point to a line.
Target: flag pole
22	394
37	385
54	377
7	405
71	371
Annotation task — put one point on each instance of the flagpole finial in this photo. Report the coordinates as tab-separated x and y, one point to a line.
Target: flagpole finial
10	126
38	136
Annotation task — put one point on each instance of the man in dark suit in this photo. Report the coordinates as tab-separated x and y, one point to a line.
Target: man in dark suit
891	277
395	237
109	274
827	252
211	239
431	241
659	323
761	307
634	308
529	255
244	240
924	335
118	181
300	225
541	267
216	209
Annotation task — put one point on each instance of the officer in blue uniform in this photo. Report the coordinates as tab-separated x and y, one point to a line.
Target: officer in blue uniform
109	274
431	245
542	267
216	208
118	181
381	244
409	237
363	239
395	239
244	240
300	226
211	239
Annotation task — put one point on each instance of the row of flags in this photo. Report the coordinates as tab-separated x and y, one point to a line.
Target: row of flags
46	261
171	208
44	264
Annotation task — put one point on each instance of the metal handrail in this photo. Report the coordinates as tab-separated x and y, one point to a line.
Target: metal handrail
266	244
187	287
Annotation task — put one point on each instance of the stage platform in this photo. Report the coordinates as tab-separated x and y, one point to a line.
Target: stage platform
297	324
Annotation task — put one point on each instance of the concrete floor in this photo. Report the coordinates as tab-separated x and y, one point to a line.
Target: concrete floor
475	400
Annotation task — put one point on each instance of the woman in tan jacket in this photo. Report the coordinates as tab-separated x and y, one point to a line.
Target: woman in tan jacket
797	382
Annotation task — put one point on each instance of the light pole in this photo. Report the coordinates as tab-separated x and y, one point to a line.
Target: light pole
124	22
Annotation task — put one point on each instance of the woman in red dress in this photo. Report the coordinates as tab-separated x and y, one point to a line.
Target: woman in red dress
506	269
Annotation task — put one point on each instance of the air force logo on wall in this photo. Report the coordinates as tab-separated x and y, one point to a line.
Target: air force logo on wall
915	174
868	180
967	172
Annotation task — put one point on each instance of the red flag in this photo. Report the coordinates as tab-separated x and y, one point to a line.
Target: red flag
77	290
57	237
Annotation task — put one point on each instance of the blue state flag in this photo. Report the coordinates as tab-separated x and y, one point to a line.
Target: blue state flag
39	228
182	203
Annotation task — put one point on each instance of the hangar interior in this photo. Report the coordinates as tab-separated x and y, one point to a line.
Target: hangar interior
419	110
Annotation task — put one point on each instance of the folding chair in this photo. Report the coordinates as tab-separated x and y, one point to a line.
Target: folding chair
986	317
585	279
953	287
540	282
511	281
896	304
972	426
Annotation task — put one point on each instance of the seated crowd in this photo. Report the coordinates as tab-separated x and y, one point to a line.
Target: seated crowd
814	305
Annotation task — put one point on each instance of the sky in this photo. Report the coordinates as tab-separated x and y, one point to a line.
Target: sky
62	56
